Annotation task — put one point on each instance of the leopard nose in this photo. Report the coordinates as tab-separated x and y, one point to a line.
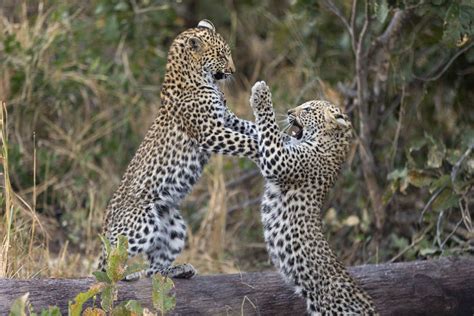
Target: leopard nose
291	111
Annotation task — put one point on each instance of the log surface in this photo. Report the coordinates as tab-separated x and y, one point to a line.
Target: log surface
437	287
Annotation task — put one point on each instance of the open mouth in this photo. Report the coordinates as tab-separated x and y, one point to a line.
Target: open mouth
221	75
296	130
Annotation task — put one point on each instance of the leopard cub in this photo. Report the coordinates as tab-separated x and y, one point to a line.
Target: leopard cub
192	123
300	170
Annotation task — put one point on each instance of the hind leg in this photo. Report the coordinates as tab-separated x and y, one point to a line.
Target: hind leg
139	236
170	243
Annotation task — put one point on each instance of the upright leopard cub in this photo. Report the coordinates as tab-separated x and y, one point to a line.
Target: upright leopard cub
299	173
193	122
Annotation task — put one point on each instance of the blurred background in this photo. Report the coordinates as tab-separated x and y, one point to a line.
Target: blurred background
81	83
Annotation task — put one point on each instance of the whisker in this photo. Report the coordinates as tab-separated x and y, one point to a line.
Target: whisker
286	128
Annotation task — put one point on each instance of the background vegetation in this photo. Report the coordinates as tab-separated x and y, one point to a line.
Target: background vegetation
81	82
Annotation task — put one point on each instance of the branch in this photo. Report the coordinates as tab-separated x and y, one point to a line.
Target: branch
393	28
446	66
458	164
353	23
434	287
350	28
334	9
367	158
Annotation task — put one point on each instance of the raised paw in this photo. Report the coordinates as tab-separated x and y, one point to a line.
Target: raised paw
181	271
261	96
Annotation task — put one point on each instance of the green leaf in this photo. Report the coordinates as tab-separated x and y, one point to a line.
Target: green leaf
441	182
162	299
397	174
19	305
101	276
428	251
107	245
108	296
419	178
75	308
134	307
453	155
51	311
417	144
120	310
436	155
390	191
445	200
117	260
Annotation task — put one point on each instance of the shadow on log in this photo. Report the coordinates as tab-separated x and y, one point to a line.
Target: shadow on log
437	287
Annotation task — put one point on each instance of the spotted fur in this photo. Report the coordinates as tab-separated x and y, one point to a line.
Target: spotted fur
299	174
193	122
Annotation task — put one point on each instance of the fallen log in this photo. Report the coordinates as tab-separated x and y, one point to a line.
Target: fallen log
436	287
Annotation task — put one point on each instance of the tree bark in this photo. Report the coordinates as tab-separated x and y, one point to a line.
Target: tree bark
435	287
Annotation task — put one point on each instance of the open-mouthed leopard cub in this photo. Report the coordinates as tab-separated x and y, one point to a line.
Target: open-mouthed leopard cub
299	172
193	122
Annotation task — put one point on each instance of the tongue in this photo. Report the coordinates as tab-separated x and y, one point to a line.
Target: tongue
294	131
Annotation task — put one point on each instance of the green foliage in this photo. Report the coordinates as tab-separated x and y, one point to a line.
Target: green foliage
107	288
116	270
75	308
459	23
21	307
163	301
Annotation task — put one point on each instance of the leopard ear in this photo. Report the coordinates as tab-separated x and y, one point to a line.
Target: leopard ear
336	120
195	44
207	24
341	122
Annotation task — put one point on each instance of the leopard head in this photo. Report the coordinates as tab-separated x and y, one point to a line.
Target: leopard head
206	50
320	121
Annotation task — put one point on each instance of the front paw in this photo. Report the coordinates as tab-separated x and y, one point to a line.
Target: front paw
261	96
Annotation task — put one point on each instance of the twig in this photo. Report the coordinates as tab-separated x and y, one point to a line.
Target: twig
367	158
137	10
251	303
399	127
244	204
410	246
430	201
446	66
334	9
452	233
393	28
243	178
458	163
438	229
353	24
363	32
466	216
